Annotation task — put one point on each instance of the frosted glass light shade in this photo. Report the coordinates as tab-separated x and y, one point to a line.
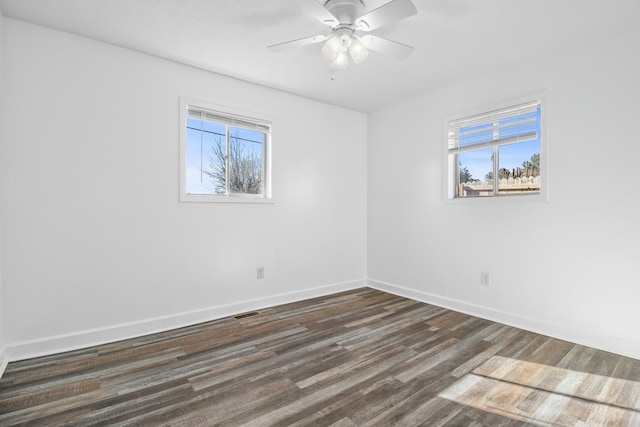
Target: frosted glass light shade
332	48
358	50
342	61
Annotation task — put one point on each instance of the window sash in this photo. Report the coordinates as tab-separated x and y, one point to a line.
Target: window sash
263	169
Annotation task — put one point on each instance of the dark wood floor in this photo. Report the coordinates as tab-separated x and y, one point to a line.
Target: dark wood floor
359	358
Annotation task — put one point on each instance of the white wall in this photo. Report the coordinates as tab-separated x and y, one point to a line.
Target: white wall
568	267
97	247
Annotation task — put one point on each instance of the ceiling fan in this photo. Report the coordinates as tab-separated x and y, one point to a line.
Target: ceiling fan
346	19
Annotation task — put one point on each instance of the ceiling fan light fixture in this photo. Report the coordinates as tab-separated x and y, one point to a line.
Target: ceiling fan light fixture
348	17
358	50
336	47
332	48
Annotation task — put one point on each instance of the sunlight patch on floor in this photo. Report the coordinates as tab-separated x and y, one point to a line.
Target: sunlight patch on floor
547	395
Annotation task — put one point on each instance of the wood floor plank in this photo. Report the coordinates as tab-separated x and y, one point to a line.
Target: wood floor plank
577	358
122	407
357	358
37	398
551	352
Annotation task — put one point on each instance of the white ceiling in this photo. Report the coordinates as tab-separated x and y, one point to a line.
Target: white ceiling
453	39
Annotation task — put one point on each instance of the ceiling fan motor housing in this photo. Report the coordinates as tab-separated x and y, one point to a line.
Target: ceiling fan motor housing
346	11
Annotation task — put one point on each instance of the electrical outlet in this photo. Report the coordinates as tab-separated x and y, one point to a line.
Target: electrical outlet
260	273
485	278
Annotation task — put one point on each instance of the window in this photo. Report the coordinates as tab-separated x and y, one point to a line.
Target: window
496	153
224	156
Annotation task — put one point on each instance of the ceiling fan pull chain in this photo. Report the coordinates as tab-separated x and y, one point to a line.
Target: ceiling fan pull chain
333	77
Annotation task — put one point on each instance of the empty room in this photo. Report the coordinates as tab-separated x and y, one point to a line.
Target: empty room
319	212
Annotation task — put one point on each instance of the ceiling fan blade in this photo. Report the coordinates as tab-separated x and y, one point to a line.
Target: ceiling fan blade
297	43
393	11
386	46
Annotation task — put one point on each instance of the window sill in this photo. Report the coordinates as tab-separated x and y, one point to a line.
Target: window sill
206	198
512	198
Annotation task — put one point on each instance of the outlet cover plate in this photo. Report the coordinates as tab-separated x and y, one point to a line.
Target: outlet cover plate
485	278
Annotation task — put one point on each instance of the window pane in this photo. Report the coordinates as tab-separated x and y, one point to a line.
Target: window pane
475	173
206	150
246	161
519	167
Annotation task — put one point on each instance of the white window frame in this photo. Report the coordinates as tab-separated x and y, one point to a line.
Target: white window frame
231	115
451	169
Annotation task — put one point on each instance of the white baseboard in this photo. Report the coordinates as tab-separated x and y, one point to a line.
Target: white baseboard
88	338
4	361
621	346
